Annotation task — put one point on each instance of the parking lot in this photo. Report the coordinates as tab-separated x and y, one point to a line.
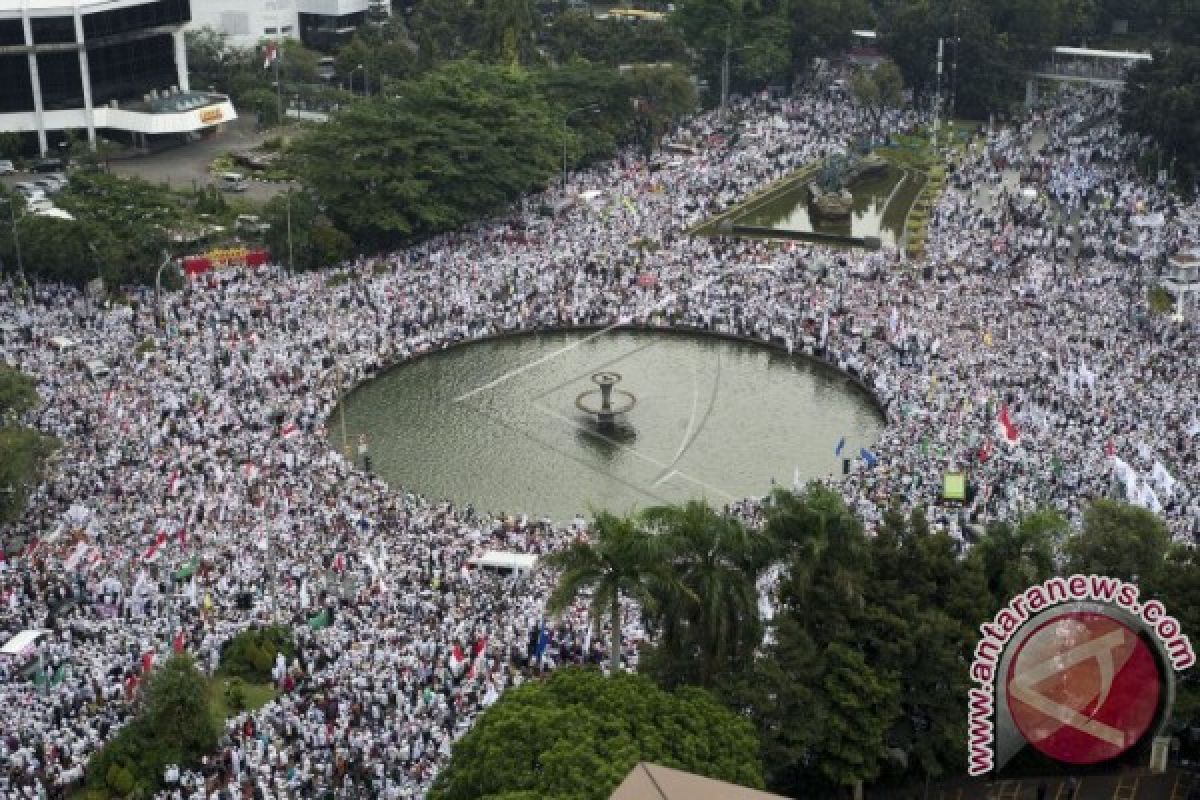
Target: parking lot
187	166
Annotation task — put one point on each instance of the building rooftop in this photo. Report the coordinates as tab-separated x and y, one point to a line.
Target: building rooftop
654	782
14	8
175	103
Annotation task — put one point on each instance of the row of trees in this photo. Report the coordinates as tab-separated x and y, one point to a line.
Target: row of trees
119	230
864	676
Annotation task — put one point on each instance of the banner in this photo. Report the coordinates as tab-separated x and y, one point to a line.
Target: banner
222	258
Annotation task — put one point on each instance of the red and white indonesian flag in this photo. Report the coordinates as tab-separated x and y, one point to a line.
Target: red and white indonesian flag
173	483
289	431
249	470
1004	423
270	55
76	558
152	551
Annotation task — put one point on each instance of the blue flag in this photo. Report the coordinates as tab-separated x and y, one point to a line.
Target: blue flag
543	640
837	451
868	457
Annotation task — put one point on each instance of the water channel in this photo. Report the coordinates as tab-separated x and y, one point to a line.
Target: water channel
495	423
881	203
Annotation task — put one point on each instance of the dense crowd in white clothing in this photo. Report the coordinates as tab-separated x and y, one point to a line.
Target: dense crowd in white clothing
213	444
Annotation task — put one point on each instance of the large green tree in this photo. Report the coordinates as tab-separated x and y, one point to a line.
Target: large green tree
445	30
1120	540
578	734
753	33
1015	557
457	144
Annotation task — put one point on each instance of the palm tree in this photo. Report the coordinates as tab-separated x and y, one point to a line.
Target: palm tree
620	560
711	610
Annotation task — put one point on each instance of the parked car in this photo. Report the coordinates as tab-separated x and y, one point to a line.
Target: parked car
48	165
233	182
30	192
6	167
46	185
252	224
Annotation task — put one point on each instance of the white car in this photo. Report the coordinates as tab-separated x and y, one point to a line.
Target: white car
30	192
6	167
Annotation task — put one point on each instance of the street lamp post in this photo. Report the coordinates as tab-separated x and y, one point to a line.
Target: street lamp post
725	69
593	108
158	309
291	262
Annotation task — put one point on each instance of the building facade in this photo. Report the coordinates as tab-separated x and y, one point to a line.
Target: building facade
90	65
319	24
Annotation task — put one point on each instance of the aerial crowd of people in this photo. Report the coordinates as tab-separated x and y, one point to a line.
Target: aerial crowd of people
1020	350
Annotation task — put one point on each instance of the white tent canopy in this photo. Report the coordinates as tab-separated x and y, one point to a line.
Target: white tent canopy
23	642
519	563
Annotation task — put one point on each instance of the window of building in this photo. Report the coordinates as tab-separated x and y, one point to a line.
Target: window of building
53	30
11	33
62	84
146	15
16	93
270	31
235	23
286	29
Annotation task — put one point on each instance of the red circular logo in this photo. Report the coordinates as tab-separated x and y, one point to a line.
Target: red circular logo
1083	688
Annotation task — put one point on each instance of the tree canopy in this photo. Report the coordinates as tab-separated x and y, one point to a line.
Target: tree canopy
174	726
1162	100
578	733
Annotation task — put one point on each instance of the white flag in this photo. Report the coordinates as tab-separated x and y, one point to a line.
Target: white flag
1163	478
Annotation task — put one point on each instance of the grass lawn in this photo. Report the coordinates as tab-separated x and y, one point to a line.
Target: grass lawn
257	696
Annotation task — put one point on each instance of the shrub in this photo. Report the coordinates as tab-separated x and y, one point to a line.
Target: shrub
235	695
251	654
119	780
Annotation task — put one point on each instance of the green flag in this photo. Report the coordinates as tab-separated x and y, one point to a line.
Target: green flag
187	569
1056	465
924	445
320	621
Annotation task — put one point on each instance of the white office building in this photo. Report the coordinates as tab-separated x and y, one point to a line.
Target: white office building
95	65
320	24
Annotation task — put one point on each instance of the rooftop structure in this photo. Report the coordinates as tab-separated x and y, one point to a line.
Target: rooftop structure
319	24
